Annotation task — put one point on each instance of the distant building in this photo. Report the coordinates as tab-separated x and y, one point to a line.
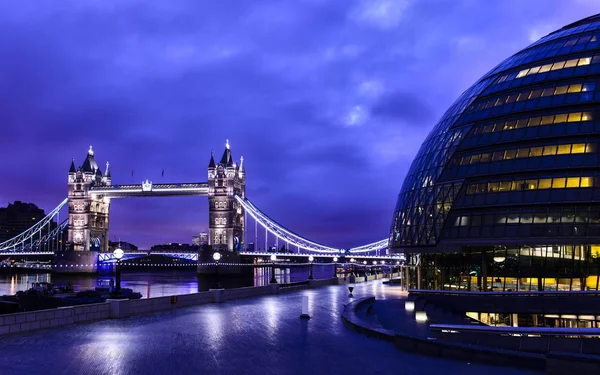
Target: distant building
123	245
17	218
172	246
201	239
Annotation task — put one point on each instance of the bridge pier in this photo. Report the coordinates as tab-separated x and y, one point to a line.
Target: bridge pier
75	262
206	264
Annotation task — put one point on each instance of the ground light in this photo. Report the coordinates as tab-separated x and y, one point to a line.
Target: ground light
118	253
216	258
273	259
335	259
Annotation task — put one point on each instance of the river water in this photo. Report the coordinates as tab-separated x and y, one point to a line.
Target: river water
156	283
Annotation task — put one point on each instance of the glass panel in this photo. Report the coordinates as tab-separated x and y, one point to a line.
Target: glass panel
587	181
560	118
547	120
560	90
586	116
545	183
517	185
564	149
510	154
573	182
575	88
498	155
522	153
549	150
535	151
573	117
505	185
531	184
535	121
549	91
545	68
578	148
535	94
558	65
485	158
558	183
584	61
571	63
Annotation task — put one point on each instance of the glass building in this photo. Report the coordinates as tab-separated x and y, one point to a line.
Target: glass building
504	194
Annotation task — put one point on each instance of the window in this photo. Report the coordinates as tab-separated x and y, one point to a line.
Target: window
573	182
545	183
564	149
558	183
549	150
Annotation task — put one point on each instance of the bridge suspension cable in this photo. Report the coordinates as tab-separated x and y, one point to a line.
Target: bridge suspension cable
281	232
294	239
21	239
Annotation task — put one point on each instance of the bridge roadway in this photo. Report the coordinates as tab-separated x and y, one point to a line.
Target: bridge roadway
262	335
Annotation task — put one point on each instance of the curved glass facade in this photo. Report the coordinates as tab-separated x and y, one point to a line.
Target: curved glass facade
512	169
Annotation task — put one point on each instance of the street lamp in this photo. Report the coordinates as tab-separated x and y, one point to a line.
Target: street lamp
216	258
310	275
118	253
335	259
273	259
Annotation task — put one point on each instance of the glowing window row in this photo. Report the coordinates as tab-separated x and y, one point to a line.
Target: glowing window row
526	152
548	67
531	184
534	94
533	121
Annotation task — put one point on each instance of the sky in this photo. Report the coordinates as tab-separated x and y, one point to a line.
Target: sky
327	100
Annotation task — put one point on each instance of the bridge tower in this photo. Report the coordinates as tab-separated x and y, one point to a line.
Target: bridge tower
87	229
226	216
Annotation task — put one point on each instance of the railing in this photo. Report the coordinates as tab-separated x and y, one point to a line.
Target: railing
558	293
526	339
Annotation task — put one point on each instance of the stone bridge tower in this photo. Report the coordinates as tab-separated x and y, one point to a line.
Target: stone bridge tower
226	215
88	214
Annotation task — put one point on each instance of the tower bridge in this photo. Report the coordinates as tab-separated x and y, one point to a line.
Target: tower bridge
81	241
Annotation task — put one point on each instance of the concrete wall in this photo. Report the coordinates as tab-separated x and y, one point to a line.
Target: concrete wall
28	321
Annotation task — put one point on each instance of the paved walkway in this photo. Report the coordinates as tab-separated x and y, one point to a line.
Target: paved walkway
253	336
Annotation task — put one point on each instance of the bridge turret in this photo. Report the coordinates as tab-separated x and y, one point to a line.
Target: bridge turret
226	216
107	180
88	212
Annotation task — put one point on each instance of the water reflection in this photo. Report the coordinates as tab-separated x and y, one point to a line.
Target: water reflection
158	283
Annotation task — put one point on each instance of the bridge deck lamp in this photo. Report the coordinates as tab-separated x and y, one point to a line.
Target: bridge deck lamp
118	253
216	258
273	259
335	259
310	275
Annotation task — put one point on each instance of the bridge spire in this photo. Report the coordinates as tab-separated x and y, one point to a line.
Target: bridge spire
241	170
211	164
72	169
226	159
107	173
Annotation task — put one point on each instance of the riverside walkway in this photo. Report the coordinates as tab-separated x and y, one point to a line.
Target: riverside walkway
262	335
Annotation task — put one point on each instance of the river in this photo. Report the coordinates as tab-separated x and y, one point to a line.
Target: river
158	282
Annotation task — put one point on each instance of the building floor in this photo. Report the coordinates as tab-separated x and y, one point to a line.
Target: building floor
262	335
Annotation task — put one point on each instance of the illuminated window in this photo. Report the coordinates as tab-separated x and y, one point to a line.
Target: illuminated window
574	117
560	118
575	88
586	182
573	182
545	183
579	148
531	184
549	150
504	186
571	63
564	149
562	90
558	183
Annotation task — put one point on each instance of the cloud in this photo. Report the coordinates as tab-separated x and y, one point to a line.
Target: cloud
327	101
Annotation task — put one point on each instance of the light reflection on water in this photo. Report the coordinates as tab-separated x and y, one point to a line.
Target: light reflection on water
162	282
